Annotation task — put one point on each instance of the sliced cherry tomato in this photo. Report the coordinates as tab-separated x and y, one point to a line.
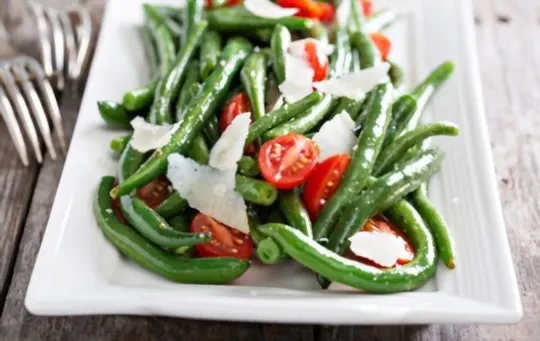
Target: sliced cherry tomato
306	8
237	105
226	241
317	59
380	224
367	7
155	192
287	160
323	182
383	44
328	12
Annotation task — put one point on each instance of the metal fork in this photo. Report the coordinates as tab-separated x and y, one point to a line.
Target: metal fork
27	96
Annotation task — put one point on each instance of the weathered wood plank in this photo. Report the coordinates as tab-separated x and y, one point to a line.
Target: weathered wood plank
17	184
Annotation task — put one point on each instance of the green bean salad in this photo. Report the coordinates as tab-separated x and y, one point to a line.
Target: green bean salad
276	132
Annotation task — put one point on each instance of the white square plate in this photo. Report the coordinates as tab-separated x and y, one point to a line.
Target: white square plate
79	272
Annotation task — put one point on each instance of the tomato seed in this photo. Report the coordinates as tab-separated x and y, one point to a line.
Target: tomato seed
238	241
329	184
234	250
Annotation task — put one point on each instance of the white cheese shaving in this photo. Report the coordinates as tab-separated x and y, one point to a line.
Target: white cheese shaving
267	9
336	136
230	146
208	190
354	85
297	48
382	248
298	79
343	13
147	136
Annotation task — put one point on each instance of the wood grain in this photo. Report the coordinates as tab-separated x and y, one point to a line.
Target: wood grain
508	33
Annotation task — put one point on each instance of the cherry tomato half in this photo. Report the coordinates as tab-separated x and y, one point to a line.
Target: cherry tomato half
226	241
367	7
306	8
237	105
383	44
323	182
328	12
318	61
286	161
380	224
155	192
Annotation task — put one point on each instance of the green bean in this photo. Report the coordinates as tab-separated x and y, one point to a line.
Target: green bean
168	88
389	156
152	226
340	59
238	19
114	114
211	45
436	224
199	150
283	114
185	98
171	206
248	166
253	77
305	122
182	223
425	90
367	149
140	98
118	144
211	130
281	38
138	249
402	109
295	213
193	15
396	75
270	252
256	191
369	54
162	37
358	21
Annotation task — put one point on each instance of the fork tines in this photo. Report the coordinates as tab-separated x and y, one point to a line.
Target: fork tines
27	99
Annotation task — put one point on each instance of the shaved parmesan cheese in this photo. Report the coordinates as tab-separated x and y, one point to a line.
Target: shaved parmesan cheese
208	190
336	136
382	248
297	48
267	9
230	146
298	79
343	13
354	85
147	136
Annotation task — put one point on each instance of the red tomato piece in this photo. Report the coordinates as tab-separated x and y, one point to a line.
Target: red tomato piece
318	61
155	192
328	12
381	224
367	7
383	44
286	161
306	8
226	241
323	182
237	105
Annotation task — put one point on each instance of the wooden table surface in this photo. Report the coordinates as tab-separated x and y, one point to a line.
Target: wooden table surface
508	37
